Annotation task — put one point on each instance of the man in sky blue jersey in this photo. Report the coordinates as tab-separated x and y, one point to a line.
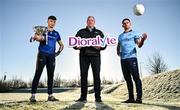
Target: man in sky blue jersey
126	49
46	57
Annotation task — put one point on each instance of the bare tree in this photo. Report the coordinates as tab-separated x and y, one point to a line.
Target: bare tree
156	64
57	80
78	80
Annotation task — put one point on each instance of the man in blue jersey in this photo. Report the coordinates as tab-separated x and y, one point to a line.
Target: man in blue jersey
126	49
46	57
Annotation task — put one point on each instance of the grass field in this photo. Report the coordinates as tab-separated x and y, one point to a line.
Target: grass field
160	92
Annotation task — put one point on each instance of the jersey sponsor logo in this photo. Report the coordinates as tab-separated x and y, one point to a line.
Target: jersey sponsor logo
53	37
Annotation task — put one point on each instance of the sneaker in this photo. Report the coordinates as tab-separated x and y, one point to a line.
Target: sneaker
81	100
32	99
98	100
52	98
138	101
129	101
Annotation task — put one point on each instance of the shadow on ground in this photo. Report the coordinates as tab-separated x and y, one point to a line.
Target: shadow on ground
81	105
77	106
103	106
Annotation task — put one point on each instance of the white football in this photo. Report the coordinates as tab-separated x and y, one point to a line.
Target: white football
139	9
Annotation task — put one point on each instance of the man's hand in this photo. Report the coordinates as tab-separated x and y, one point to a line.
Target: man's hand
61	47
78	47
97	47
143	38
37	38
57	53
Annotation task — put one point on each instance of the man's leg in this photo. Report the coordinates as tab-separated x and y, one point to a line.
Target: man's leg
40	63
136	78
50	65
84	66
127	77
95	64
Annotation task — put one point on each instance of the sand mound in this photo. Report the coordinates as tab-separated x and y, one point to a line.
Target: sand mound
163	86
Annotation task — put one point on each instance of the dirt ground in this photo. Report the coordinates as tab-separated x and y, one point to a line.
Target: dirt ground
20	101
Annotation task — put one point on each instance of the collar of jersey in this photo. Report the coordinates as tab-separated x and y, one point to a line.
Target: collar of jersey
92	28
128	31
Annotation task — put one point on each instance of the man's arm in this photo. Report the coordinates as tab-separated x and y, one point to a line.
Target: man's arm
141	40
61	47
118	49
77	47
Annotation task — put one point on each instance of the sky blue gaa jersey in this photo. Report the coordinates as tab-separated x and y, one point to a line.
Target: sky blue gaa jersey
50	46
127	41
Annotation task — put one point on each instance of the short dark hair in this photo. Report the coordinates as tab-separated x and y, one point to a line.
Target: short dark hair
52	17
125	20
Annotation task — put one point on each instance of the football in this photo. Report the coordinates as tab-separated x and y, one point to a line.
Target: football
139	9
